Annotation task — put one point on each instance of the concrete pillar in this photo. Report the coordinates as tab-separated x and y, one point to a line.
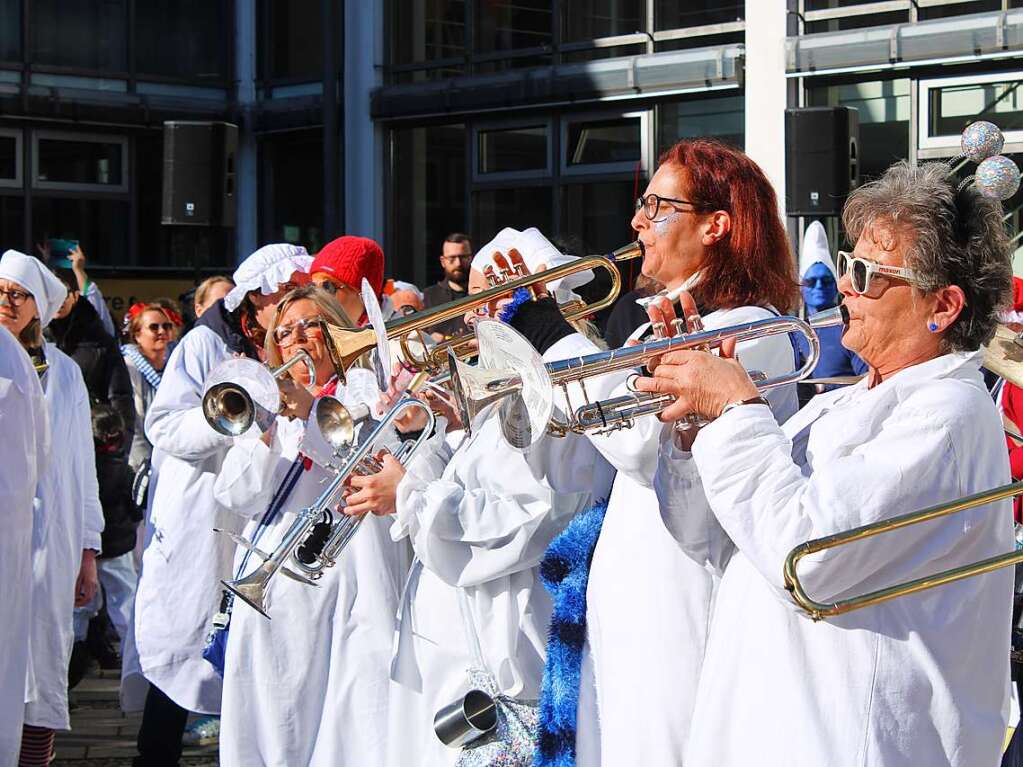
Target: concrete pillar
363	162
246	167
766	93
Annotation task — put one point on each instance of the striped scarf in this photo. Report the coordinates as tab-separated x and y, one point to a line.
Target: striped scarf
131	351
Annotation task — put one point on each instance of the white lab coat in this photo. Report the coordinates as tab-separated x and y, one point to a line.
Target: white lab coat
648	605
67	519
919	680
309	686
184	560
23	455
480	518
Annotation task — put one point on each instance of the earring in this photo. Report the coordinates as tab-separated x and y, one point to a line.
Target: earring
933	327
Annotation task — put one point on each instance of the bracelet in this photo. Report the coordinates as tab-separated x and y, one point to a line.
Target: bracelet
758	400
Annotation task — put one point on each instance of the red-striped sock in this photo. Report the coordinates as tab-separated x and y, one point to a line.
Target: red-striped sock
36	746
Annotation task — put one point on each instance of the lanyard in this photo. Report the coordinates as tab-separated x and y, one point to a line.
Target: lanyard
282	494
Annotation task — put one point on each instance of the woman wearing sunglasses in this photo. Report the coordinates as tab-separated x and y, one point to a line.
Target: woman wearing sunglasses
921	679
67	516
308	686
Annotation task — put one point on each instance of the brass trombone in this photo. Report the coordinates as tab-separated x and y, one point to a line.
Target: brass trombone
821	610
520	370
346	345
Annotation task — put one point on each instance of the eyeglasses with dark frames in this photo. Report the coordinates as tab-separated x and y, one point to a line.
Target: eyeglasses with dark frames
651	205
15	297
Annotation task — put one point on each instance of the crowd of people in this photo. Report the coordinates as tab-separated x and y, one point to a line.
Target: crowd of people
591	597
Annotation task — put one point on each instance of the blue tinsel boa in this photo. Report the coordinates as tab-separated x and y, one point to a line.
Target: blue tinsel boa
519	297
565	571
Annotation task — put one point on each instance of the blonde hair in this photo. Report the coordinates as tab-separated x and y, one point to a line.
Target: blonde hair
203	290
327	305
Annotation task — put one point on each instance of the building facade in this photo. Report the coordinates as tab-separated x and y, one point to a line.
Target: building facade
407	120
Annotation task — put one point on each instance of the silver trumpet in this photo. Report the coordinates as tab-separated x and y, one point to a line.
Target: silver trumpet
240	392
512	373
318	556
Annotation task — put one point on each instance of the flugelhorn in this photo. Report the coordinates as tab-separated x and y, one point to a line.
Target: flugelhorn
252	588
347	345
240	392
510	366
821	610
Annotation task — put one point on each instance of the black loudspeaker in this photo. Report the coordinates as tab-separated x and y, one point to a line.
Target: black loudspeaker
821	159
199	173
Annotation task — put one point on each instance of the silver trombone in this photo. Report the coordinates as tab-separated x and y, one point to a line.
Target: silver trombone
252	588
510	366
240	392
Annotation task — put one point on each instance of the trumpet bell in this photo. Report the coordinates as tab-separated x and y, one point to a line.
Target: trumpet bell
238	393
337	423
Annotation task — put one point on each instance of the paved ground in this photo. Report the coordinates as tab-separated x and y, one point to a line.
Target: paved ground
101	736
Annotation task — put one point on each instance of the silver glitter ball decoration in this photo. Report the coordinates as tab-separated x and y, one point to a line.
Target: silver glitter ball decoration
997	177
981	140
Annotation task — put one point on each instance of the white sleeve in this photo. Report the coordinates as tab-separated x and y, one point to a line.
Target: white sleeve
92	509
24	424
175	423
767	506
685	509
95	297
469	536
245	483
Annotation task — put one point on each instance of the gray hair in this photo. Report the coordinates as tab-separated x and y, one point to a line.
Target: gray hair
948	238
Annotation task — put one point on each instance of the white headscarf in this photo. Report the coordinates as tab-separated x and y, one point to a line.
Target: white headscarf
535	250
815	250
46	288
265	271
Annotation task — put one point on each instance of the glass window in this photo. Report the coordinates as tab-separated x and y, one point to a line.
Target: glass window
8	158
671	14
598	54
857	22
86	34
182	38
424	30
428	198
293	189
507	150
100	225
826	5
69	161
10	30
520	208
953	107
503	25
721	118
977	6
604	141
883	110
293	46
12	222
599	212
589	19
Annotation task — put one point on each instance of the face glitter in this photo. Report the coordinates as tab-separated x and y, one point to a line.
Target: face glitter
661	225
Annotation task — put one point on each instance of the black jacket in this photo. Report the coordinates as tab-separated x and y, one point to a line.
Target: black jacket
120	516
81	336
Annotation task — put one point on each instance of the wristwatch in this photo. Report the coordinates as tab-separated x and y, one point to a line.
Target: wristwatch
751	401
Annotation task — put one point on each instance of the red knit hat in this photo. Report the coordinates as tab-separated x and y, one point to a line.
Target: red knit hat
349	259
1017	294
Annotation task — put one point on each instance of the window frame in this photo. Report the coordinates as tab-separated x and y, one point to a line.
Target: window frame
607	168
501	177
948	145
19	172
65	186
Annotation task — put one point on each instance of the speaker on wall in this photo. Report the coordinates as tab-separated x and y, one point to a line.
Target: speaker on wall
821	159
199	173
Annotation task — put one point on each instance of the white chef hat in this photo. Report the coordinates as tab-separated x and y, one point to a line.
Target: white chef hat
815	249
535	250
265	271
46	288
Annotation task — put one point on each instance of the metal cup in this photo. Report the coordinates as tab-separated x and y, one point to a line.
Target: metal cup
466	720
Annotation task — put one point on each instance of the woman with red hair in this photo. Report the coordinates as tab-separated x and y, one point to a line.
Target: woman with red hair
630	635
